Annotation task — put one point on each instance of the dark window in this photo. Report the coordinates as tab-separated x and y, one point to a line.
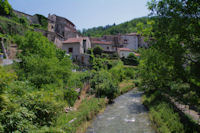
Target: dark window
125	41
63	33
70	50
84	45
107	48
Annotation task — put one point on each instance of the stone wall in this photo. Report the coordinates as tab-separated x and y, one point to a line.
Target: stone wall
62	26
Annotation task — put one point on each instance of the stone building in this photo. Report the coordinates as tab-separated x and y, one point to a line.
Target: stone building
77	48
130	41
62	26
124	52
107	46
30	18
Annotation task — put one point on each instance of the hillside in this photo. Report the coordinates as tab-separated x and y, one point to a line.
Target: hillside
126	27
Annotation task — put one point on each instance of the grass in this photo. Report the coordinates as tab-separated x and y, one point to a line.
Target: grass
73	122
126	86
165	117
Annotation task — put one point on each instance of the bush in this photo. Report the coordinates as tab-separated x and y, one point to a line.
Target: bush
130	60
155	69
118	72
70	95
163	114
36	43
41	71
98	50
130	72
104	85
5	8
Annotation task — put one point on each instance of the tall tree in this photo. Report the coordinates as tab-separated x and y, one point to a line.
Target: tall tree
5	8
175	33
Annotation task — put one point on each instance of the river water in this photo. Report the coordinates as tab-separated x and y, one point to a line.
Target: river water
126	115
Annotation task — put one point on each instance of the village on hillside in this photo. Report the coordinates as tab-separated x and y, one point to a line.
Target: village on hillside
63	33
134	76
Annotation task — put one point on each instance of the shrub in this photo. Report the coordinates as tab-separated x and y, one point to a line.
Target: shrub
5	8
155	69
44	70
98	50
70	95
131	60
130	72
36	43
118	72
104	85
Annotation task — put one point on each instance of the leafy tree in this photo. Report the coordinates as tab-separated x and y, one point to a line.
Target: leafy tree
41	71
70	95
98	50
36	43
130	60
5	8
174	35
104	85
123	28
42	63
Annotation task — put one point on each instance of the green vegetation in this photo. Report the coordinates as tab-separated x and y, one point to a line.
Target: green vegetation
165	116
10	27
36	96
170	65
35	91
5	8
123	28
42	21
130	60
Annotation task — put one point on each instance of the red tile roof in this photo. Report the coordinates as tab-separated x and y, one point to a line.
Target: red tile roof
101	42
73	40
124	49
136	54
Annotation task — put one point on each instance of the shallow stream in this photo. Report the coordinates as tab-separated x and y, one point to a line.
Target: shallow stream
126	115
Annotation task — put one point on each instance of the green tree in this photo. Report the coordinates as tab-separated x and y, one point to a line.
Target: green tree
130	60
5	8
174	36
98	50
104	85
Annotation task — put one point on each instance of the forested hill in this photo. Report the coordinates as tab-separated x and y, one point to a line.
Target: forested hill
127	27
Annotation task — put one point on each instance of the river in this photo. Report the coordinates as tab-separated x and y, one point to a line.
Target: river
126	115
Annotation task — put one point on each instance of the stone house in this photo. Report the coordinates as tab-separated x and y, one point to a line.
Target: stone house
107	46
124	52
130	41
62	26
77	48
30	18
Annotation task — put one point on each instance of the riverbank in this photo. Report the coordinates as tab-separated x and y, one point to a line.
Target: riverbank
165	116
90	108
126	115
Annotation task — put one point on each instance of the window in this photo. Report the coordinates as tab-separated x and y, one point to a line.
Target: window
108	48
70	50
125	41
84	45
63	33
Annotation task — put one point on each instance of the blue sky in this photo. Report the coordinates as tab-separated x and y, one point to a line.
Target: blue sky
86	13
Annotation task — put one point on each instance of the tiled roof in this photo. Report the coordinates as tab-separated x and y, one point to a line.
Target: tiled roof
101	42
73	40
124	49
136	54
